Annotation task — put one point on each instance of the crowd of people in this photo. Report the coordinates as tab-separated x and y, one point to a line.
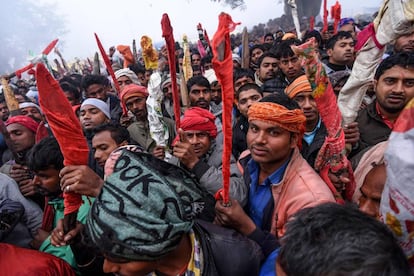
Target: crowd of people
151	208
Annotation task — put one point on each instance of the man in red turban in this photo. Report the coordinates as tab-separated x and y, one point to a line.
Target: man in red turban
20	138
196	149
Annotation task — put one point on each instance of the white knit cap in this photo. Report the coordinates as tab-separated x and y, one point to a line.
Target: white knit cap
101	105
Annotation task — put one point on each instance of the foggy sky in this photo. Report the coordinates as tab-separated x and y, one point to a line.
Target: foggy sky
118	22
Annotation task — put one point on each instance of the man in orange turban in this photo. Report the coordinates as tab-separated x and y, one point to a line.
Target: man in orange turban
300	91
133	98
197	151
280	181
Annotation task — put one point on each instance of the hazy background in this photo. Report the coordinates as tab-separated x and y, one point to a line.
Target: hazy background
118	22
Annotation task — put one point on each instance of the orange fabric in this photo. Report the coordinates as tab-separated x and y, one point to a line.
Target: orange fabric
287	36
131	90
65	127
300	84
290	120
21	261
126	52
223	67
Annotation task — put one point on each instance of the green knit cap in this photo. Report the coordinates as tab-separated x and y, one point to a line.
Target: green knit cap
145	207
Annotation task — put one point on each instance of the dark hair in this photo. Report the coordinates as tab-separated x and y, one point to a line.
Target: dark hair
239	73
198	80
331	239
330	44
89	80
257	46
404	60
67	87
281	99
77	78
2	99
248	86
70	80
44	155
262	57
206	59
194	52
137	68
118	133
283	50
312	33
267	35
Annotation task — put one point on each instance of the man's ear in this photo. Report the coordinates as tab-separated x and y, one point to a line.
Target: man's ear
374	85
294	138
329	52
124	143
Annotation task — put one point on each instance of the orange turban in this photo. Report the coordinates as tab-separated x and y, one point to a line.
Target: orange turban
287	36
132	90
275	114
300	84
200	119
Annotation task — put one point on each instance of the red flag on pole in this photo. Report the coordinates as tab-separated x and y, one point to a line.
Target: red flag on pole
167	33
107	64
68	132
325	16
312	23
336	15
223	67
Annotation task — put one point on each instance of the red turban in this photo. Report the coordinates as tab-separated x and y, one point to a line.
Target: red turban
24	121
200	119
132	90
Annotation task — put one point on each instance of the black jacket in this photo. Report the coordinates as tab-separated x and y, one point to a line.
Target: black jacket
239	136
115	108
372	128
226	252
310	152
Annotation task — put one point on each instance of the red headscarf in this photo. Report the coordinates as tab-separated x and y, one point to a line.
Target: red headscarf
24	121
200	119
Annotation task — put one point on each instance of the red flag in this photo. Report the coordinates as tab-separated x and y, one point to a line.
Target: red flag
46	51
312	23
331	157
66	128
167	33
336	15
325	16
107	64
223	67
